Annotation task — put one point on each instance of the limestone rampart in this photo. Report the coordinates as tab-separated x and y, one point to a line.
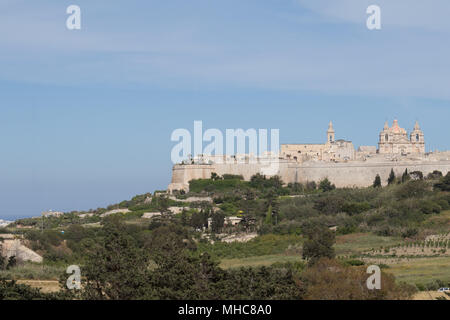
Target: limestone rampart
342	174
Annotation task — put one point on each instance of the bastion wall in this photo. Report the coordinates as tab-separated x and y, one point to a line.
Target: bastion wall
343	174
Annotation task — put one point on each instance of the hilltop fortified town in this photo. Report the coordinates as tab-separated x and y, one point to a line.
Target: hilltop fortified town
337	160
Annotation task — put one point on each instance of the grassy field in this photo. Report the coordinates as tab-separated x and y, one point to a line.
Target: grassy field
422	270
33	271
352	244
414	271
357	243
259	261
266	245
439	222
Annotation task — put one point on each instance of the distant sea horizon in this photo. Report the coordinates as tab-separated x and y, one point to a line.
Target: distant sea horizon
18	217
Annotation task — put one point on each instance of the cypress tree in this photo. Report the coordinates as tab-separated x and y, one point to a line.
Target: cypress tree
377	181
391	178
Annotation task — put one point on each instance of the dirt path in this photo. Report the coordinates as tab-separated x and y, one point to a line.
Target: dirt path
47	286
429	295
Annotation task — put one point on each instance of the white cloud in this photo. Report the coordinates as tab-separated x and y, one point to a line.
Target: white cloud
430	14
304	56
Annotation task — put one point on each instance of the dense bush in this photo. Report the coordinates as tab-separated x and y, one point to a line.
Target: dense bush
444	183
209	185
331	280
428	207
118	269
413	189
11	290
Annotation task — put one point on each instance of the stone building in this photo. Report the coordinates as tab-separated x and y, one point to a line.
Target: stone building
331	150
52	213
366	150
335	160
395	140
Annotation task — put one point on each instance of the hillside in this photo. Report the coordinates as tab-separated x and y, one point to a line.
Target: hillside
403	227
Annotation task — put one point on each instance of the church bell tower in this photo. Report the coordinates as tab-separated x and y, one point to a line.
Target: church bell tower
417	139
330	133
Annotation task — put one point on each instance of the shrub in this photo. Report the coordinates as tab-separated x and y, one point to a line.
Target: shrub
410	232
429	207
412	189
435	175
319	243
355	207
325	185
311	185
329	279
329	203
232	176
210	185
443	204
444	183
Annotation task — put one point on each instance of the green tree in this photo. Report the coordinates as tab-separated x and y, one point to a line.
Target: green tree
168	240
2	261
167	267
117	268
184	217
10	290
218	219
268	219
199	220
329	279
391	178
377	181
319	242
444	183
405	177
311	185
163	205
12	262
436	174
325	185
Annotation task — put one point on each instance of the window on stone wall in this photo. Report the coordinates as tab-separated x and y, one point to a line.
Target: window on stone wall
386	137
417	137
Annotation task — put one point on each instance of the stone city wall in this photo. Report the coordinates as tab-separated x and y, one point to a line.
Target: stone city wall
343	174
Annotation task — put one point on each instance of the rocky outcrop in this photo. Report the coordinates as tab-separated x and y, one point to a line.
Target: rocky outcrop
14	247
4	223
149	215
108	213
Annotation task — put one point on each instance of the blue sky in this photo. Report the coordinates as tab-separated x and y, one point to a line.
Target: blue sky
86	116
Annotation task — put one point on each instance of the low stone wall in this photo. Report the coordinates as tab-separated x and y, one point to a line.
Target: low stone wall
192	199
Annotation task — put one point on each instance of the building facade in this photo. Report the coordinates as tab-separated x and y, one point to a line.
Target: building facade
331	150
395	140
335	160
